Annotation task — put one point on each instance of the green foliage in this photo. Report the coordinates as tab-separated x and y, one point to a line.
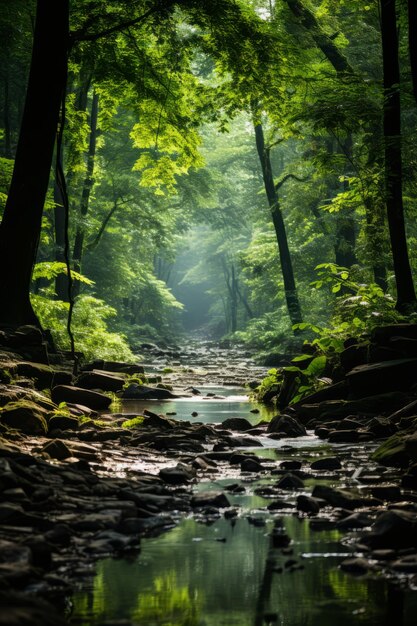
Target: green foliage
91	333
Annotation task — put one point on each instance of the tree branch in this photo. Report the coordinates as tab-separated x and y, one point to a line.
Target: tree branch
283	180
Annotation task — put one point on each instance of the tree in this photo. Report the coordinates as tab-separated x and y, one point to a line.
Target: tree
406	297
21	224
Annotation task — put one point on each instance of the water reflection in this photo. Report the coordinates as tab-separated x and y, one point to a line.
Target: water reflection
232	574
210	410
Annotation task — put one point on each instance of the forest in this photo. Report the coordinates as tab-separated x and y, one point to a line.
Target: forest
208	312
253	159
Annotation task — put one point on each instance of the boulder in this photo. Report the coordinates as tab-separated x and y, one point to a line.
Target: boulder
100	380
62	422
114	366
393	529
396	375
76	395
286	425
177	475
342	498
236	423
43	375
25	416
307	504
290	482
392	453
143	392
326	463
57	449
209	498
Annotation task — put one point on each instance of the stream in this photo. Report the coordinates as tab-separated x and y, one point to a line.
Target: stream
234	570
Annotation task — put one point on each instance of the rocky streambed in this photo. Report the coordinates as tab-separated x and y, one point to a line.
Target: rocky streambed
82	485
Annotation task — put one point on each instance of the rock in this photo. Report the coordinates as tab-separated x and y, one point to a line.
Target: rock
57	449
158	421
343	436
384	334
342	498
390	493
356	520
251	465
396	375
43	375
100	380
76	395
177	475
290	465
290	482
114	366
326	463
25	416
286	425
382	427
393	529
236	423
334	410
62	422
142	392
308	504
242	442
210	498
392	452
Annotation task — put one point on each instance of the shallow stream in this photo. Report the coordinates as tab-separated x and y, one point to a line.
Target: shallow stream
228	572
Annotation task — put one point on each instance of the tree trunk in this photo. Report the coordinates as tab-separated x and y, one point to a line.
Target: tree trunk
291	296
412	42
61	281
86	192
406	298
21	224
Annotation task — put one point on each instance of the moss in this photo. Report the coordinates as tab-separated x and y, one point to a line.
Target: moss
392	453
134	423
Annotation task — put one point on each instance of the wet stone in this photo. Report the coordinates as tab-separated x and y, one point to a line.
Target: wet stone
326	463
307	504
290	482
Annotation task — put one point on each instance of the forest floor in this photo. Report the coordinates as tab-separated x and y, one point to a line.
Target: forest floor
81	484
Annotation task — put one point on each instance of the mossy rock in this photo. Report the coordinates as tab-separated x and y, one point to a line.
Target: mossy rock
392	452
43	375
62	422
25	416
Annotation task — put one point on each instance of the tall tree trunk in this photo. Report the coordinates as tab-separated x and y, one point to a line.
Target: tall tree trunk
61	281
86	192
345	224
406	298
412	42
21	224
291	296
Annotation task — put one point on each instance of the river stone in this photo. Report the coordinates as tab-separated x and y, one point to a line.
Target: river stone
251	465
236	423
393	529
114	366
76	395
158	421
290	465
100	380
392	452
210	498
289	482
307	504
357	566
286	425
390	493
326	463
57	449
356	520
342	498
62	422
177	475
143	392
25	416
343	436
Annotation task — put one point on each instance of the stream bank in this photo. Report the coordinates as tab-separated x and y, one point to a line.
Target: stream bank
91	489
